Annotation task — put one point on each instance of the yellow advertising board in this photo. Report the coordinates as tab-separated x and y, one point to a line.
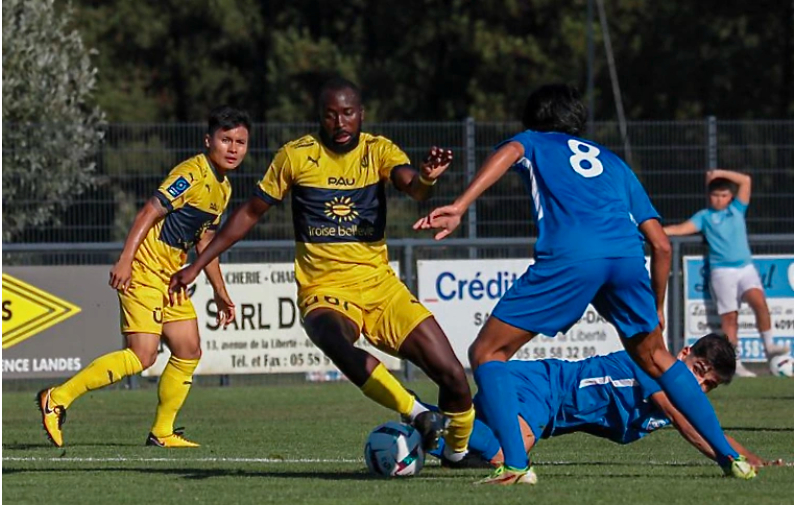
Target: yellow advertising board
28	310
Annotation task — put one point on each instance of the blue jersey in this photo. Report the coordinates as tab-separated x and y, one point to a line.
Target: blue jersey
726	235
607	396
587	202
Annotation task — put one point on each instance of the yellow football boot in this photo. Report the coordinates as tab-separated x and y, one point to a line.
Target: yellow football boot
52	417
173	441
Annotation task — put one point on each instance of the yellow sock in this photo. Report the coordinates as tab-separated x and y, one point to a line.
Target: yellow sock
383	388
172	391
102	372
461	424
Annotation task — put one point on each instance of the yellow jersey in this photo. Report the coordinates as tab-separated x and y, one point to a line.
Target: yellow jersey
195	199
339	206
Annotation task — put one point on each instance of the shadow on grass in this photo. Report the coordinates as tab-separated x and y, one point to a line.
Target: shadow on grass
50	447
205	473
358	475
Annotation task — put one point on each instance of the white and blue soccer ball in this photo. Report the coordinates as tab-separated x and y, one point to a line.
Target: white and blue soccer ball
782	365
394	450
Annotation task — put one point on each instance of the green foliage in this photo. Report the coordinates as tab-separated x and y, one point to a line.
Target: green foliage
51	130
436	60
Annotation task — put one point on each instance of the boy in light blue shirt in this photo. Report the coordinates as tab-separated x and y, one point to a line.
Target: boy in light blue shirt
733	278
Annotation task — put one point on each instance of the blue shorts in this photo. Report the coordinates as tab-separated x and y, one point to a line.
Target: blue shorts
550	298
539	386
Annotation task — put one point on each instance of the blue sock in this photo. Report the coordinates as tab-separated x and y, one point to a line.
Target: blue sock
686	395
501	407
482	441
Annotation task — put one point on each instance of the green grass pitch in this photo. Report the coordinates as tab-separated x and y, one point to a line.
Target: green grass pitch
303	444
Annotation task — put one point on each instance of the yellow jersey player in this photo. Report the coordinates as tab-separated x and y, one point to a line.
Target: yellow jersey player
183	212
345	285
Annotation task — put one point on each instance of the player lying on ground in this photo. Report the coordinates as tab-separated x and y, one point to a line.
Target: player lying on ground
732	275
592	215
606	396
345	284
183	212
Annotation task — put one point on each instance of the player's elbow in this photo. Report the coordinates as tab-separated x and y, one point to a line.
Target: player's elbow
662	247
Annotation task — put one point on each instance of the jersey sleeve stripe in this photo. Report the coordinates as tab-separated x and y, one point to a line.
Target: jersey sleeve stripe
164	200
259	193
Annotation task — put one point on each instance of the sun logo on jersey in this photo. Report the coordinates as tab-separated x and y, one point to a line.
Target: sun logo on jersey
341	209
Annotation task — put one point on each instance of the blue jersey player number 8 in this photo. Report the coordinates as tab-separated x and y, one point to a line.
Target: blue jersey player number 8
591	226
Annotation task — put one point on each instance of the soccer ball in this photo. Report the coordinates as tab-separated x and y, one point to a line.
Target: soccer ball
781	365
394	450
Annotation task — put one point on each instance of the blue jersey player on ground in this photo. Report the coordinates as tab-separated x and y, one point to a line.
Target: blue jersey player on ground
592	216
606	396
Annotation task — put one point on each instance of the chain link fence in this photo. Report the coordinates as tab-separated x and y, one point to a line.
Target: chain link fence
670	158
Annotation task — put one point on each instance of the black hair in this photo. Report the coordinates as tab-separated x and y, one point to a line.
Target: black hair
719	353
722	184
225	118
337	84
555	108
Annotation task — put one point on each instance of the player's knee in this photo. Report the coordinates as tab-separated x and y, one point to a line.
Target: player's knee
146	357
477	354
454	381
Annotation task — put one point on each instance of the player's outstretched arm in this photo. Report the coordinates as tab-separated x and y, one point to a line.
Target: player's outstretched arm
419	184
242	220
150	213
676	230
660	262
448	218
690	434
226	309
743	182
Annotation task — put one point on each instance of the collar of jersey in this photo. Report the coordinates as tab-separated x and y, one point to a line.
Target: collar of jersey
210	164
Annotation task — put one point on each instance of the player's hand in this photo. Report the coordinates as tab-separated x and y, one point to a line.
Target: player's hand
435	163
445	218
178	285
226	309
120	275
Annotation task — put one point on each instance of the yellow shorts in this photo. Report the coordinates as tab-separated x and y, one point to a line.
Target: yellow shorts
382	307
145	307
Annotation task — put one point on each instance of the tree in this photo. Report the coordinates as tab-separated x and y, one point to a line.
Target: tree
50	128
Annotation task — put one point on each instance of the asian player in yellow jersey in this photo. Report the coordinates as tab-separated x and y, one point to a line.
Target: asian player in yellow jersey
346	288
183	213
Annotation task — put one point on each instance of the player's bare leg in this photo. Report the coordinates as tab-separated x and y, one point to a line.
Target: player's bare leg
182	339
728	324
428	348
496	343
756	300
334	334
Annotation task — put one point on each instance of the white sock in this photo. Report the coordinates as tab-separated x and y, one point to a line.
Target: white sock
767	338
450	455
417	409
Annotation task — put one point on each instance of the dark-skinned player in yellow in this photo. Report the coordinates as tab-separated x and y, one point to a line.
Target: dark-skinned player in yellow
182	213
346	287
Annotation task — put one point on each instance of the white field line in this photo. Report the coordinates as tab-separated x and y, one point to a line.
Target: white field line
121	459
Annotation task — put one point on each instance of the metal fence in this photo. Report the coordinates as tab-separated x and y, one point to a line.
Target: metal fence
669	157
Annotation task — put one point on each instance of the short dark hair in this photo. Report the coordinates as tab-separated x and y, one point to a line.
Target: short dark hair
225	118
722	184
555	108
337	84
719	353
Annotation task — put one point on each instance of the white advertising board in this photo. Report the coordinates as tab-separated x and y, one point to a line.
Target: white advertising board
701	316
462	293
267	336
